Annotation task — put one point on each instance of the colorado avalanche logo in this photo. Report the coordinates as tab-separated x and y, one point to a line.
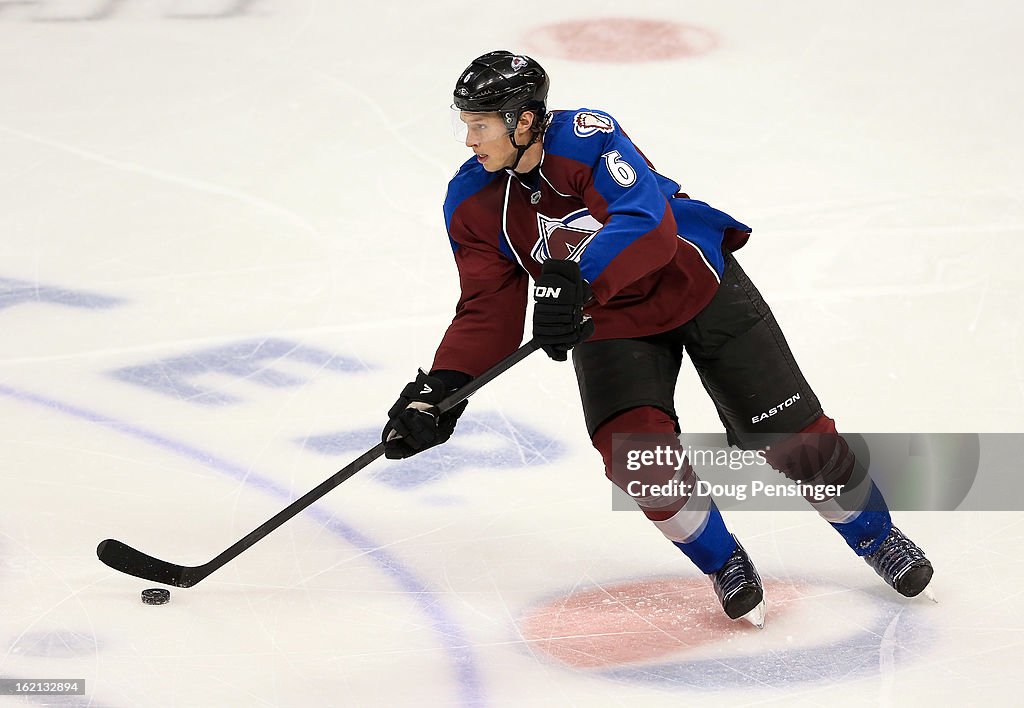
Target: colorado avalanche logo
585	124
518	63
565	238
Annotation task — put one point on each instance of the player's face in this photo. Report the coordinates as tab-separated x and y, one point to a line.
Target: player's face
487	137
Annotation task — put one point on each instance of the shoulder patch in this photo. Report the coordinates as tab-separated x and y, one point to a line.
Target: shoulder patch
587	123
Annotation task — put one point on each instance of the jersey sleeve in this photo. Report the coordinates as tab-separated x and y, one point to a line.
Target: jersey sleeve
622	192
491	313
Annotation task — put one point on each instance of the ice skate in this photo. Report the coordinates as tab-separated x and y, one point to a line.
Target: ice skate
739	589
901	564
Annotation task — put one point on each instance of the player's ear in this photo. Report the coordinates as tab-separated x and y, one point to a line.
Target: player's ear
526	120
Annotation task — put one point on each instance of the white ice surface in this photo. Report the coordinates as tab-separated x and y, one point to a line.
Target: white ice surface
275	177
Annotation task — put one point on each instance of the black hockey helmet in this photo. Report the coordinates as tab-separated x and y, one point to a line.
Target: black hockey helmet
504	83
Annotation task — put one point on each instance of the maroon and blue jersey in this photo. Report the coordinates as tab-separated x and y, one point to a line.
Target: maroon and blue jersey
652	256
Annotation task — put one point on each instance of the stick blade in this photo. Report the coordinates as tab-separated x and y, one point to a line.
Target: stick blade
122	557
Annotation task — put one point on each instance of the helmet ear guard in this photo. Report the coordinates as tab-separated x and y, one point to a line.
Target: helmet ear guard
511	118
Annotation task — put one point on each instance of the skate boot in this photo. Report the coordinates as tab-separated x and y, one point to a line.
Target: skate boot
901	564
739	589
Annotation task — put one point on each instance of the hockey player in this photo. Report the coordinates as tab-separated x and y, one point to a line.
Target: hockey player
628	273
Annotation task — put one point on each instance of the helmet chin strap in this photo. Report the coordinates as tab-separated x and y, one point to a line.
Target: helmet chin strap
521	149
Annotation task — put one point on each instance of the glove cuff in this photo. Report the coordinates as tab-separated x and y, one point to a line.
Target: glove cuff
453	380
570	270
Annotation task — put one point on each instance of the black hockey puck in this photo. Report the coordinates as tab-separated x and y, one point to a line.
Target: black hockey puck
156	596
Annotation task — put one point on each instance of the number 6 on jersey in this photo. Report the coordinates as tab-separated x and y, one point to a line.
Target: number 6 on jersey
620	170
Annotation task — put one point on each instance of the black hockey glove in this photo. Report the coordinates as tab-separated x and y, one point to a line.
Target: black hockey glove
415	423
558	320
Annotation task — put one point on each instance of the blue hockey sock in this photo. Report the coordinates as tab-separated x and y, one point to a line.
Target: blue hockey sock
712	546
866	529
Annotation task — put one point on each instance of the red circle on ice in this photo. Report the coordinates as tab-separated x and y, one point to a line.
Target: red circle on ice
637	621
620	39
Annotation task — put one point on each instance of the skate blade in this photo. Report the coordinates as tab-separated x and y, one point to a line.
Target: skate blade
756	616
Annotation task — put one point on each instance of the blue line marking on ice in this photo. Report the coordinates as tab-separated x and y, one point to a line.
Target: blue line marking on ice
19	292
249	359
467	674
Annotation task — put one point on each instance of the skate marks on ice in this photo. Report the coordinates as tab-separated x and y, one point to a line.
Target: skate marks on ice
671	633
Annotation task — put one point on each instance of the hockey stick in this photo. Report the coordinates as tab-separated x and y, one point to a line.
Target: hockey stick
126	559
